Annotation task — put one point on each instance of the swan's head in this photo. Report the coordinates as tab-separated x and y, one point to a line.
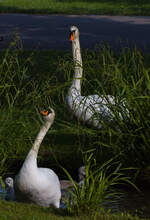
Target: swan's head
48	115
9	182
81	173
74	33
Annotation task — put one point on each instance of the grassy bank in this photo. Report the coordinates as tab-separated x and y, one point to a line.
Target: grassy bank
12	211
100	7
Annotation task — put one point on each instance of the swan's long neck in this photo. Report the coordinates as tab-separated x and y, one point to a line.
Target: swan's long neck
32	155
40	136
78	64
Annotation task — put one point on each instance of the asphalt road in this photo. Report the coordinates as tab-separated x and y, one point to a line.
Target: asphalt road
52	31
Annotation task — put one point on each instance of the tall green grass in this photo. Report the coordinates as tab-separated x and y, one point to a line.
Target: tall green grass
100	186
125	76
30	81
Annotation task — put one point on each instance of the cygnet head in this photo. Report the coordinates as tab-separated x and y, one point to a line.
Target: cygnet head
74	33
48	115
81	173
9	182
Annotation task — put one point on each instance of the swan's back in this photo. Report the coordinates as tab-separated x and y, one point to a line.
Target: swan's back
92	108
41	187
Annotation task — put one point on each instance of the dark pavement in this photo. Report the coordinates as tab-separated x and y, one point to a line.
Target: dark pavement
52	31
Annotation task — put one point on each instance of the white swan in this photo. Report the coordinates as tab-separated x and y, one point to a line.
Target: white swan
9	189
38	185
92	109
81	174
65	184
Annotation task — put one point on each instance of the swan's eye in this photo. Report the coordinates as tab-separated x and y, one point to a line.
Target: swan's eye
44	113
72	35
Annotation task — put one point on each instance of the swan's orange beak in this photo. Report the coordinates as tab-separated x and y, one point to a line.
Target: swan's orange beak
72	35
44	113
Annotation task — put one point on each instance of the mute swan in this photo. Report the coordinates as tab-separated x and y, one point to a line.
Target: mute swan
67	183
91	109
9	189
81	174
39	185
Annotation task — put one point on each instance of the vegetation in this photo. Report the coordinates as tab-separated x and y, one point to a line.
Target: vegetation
33	80
100	186
12	211
111	7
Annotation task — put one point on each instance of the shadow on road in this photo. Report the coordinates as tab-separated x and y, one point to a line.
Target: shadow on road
51	31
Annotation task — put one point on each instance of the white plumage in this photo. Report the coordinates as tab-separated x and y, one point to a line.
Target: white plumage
92	109
34	184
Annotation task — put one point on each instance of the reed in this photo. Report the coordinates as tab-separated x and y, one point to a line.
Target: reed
126	77
100	186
